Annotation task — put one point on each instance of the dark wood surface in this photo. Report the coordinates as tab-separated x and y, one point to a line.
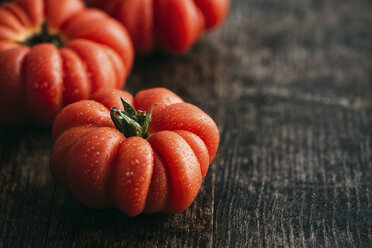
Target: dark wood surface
289	84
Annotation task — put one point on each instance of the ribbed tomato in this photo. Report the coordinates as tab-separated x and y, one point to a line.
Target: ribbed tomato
53	53
169	24
108	156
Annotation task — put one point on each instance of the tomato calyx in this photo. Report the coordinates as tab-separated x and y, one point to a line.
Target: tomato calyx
44	35
130	123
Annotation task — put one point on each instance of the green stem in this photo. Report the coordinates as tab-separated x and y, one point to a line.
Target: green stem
44	36
129	122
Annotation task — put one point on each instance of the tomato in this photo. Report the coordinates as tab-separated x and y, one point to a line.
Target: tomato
53	53
170	24
155	162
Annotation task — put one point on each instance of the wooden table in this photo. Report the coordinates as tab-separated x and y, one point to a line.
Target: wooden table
289	84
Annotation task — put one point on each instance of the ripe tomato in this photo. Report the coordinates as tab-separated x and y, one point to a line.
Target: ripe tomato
170	24
138	162
53	53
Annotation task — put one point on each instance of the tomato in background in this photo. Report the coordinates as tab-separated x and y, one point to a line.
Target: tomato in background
172	25
53	53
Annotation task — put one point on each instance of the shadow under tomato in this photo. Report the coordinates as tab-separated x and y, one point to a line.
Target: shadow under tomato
71	219
29	137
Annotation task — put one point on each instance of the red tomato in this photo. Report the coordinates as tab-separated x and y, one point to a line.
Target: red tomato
106	156
170	24
53	53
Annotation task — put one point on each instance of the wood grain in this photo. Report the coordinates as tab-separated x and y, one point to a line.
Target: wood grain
289	84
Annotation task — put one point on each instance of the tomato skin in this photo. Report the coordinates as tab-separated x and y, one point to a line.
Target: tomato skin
159	188
78	86
43	82
11	86
172	25
145	99
62	147
199	148
214	11
103	168
88	112
183	168
60	11
114	99
41	78
185	116
89	166
132	175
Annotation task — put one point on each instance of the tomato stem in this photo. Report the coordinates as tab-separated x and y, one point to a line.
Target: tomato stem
43	36
129	122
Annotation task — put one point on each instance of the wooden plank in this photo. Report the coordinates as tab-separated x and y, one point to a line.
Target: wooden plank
26	188
295	159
